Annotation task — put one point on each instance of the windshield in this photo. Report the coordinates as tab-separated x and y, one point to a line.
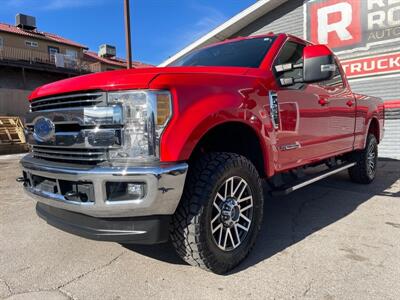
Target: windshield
247	53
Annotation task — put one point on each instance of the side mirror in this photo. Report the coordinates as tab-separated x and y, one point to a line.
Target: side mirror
318	64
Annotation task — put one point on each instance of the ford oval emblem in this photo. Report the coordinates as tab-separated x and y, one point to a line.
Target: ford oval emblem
43	130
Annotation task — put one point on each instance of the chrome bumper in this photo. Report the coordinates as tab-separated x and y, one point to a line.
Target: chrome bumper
164	187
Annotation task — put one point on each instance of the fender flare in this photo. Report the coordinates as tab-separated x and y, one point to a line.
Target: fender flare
225	117
263	141
373	118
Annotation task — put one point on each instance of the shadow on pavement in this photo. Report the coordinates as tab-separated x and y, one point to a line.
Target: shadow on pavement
292	218
163	252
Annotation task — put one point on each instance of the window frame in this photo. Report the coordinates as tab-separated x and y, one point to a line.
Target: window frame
31	44
68	51
338	68
275	62
52	48
1	42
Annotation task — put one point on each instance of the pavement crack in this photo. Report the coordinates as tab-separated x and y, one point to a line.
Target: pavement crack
351	254
91	271
395	225
9	289
67	294
307	289
28	292
60	288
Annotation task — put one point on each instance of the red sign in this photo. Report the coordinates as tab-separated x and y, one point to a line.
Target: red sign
352	24
374	65
335	22
392	104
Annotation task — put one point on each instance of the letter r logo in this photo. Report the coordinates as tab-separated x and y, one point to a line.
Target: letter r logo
336	23
325	26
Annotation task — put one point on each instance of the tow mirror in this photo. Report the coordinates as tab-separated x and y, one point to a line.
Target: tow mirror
318	63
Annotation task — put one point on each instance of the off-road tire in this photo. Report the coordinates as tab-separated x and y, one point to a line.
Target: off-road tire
191	229
361	172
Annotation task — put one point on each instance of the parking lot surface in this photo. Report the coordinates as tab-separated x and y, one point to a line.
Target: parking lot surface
331	240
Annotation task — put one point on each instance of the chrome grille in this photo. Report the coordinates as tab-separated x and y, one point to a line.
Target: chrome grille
85	128
68	101
94	155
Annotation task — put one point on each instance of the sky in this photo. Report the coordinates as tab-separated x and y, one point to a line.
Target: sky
160	28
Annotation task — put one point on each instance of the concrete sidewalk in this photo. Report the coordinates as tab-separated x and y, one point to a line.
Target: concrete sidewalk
332	240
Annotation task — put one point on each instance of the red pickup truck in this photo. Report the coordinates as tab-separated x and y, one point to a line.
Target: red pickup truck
143	156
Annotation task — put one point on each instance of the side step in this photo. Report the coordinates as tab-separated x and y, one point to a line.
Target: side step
287	189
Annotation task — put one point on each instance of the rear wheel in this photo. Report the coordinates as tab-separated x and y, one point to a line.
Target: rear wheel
220	214
365	169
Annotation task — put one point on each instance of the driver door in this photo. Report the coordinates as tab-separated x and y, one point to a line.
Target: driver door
303	129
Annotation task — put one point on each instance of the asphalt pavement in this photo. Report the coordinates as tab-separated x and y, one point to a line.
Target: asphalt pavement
332	240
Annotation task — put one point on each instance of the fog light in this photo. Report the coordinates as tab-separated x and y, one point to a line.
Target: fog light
136	190
125	191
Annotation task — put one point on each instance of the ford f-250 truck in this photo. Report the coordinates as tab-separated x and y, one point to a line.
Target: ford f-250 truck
144	156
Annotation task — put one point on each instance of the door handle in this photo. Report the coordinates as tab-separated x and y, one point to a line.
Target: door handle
349	103
323	101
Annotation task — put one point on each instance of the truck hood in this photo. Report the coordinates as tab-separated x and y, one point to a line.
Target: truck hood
123	79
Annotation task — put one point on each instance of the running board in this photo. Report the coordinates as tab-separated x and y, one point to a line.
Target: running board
298	185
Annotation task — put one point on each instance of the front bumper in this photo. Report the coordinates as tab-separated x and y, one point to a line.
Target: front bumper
136	230
164	187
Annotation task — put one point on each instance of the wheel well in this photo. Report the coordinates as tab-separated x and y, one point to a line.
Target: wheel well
232	137
374	128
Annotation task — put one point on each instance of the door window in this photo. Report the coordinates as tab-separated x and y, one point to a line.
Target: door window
291	52
337	79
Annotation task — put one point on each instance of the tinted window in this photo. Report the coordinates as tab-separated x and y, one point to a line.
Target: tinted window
244	53
336	81
291	52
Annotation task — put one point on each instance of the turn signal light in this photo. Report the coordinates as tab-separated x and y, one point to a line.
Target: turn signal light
163	108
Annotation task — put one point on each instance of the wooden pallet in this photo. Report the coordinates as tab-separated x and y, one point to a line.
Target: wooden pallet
11	131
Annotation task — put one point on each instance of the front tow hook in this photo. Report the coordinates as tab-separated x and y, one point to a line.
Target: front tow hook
76	196
20	179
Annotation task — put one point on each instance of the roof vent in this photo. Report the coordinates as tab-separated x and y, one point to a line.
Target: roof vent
25	22
107	51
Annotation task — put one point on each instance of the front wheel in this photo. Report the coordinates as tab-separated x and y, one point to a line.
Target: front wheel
365	169
220	214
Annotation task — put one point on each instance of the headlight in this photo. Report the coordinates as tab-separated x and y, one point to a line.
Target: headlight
145	115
